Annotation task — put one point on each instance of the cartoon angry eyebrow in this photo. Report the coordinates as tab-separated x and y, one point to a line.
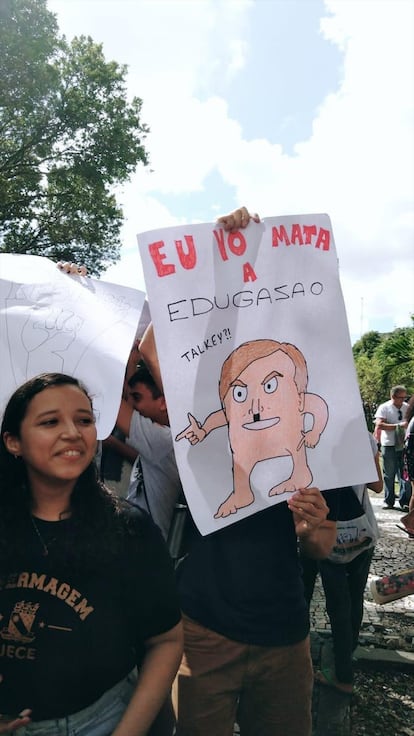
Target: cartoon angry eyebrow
264	401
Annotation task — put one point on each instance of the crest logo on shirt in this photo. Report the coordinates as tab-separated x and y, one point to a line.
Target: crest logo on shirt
21	623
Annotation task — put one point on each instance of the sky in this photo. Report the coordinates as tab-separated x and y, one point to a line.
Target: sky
285	106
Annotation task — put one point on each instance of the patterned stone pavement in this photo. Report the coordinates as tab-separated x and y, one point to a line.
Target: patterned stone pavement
387	627
390	625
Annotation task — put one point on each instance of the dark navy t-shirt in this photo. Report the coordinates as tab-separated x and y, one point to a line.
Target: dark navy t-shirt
245	581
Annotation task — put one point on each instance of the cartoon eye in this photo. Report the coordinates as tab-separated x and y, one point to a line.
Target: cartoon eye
270	386
240	393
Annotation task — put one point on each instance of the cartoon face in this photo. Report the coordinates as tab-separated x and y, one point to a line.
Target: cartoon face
264	395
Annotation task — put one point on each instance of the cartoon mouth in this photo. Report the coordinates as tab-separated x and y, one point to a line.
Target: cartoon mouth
262	423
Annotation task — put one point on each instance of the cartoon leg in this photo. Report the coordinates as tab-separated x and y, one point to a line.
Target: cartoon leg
300	478
239	498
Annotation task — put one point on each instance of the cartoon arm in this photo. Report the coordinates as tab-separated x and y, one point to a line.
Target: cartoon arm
196	432
315	405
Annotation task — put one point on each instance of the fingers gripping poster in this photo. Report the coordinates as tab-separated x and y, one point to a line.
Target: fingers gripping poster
256	361
53	322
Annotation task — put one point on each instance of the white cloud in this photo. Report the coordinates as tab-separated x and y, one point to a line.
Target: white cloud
238	50
357	164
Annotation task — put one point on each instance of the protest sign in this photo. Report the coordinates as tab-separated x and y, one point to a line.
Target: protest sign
256	361
52	322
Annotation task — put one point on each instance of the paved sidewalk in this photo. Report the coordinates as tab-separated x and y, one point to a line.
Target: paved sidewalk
394	551
387	633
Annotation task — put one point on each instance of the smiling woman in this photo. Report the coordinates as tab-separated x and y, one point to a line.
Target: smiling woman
92	631
56	442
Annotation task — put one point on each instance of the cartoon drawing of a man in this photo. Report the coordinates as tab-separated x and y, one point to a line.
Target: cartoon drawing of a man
264	401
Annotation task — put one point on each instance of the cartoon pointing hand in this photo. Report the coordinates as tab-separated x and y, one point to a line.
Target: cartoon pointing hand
194	433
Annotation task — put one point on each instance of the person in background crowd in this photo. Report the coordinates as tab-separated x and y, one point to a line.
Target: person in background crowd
91	633
344	576
408	452
155	484
247	654
117	456
390	419
116	462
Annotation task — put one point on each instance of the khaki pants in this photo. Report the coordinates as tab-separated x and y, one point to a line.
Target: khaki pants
266	690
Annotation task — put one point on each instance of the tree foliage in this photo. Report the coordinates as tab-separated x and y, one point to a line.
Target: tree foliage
384	360
367	344
68	137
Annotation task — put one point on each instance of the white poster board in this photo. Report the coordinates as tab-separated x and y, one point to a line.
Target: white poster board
53	322
256	362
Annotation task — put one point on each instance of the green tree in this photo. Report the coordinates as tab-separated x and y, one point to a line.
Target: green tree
396	356
68	137
370	380
384	360
367	344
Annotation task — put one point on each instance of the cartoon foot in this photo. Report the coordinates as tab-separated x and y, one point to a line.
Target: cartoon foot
288	486
232	504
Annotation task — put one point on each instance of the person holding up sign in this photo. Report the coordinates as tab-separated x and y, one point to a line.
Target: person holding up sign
246	627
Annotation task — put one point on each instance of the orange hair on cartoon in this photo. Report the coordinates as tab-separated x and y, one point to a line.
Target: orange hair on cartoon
248	352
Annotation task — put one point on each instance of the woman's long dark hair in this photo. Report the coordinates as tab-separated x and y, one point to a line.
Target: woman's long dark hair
97	525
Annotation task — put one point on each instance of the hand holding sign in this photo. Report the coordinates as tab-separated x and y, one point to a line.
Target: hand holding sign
218	293
238	219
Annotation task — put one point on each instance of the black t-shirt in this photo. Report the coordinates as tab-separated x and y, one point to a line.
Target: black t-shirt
342	503
66	638
245	581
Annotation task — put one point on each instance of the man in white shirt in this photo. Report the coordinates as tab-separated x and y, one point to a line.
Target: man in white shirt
155	484
390	419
